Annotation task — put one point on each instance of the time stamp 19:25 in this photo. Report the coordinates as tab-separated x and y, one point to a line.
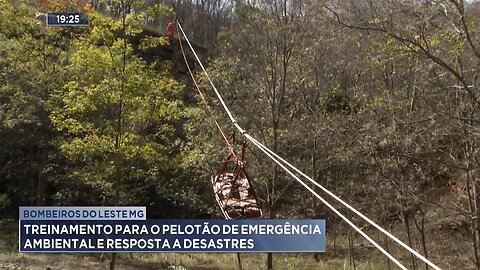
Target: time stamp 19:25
66	19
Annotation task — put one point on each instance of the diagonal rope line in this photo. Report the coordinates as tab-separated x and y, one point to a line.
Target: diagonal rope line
210	80
204	100
260	146
269	153
391	236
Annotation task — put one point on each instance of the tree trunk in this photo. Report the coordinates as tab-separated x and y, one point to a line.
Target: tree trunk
269	261
271	190
421	229
406	219
477	225
40	188
239	259
270	204
351	251
113	260
473	223
386	248
334	242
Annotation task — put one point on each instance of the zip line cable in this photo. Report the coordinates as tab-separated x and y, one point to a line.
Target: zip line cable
391	236
275	157
328	204
210	80
262	148
204	100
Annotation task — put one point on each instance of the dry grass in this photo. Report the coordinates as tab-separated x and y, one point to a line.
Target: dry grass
442	250
190	261
366	258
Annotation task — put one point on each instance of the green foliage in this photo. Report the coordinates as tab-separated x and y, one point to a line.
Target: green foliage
30	60
13	18
152	42
246	13
118	114
4	200
61	6
155	10
379	114
85	120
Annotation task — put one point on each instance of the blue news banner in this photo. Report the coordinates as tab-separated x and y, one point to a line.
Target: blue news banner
125	229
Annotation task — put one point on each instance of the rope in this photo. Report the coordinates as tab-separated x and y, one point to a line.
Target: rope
236	159
391	236
272	155
210	80
393	259
212	115
262	148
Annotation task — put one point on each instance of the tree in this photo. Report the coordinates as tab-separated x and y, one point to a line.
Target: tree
438	38
29	71
256	70
119	115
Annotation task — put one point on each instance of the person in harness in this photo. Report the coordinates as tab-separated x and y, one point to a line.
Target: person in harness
170	29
